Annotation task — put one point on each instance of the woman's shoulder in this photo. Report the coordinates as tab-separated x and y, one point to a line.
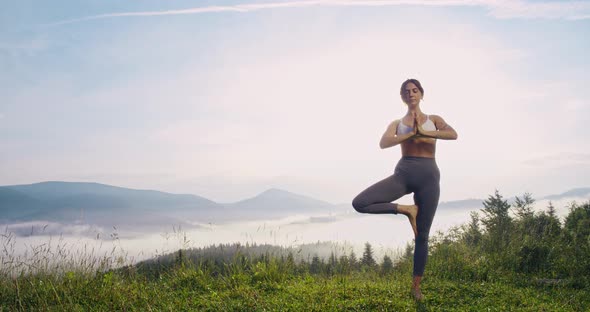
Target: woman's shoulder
395	122
435	117
438	121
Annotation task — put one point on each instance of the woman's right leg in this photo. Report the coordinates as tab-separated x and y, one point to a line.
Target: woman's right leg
378	197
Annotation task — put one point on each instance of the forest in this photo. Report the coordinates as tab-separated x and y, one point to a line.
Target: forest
508	257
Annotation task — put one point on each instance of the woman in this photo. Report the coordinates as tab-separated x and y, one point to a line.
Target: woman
416	172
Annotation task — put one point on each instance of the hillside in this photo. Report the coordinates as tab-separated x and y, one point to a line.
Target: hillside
95	204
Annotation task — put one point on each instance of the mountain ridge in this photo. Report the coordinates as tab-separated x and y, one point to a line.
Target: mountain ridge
75	202
103	204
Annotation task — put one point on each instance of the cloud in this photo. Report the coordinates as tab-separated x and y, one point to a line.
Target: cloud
46	228
572	10
319	219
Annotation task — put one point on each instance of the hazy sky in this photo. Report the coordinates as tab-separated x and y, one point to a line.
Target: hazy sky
225	99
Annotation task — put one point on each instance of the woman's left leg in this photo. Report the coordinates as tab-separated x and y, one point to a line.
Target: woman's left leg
426	197
427	200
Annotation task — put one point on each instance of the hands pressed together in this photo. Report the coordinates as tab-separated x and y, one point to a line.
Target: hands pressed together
418	131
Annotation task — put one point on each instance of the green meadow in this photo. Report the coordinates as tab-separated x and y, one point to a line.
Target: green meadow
508	258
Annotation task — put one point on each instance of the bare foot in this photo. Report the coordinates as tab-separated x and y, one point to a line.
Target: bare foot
417	294
411	211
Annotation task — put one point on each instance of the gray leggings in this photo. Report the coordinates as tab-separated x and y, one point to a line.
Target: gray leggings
418	175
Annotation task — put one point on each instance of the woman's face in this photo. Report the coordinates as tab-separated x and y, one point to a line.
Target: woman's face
411	94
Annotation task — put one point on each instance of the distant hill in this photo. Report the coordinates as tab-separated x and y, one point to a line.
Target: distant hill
275	203
577	192
100	204
106	206
14	204
461	204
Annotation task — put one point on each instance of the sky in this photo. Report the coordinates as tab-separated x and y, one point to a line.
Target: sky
225	99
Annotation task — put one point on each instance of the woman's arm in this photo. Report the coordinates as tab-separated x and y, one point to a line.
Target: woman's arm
444	130
390	137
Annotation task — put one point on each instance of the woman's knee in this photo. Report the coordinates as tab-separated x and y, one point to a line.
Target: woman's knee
359	204
422	237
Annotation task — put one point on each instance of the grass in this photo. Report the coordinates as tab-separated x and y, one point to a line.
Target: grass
57	278
197	289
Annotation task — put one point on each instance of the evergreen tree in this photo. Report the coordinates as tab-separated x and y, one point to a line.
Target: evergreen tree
332	262
553	229
497	222
495	210
551	210
577	223
368	259
316	265
290	263
353	261
343	265
524	206
386	265
409	252
180	259
526	225
472	235
576	240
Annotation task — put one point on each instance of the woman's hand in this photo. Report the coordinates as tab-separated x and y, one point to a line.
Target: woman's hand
419	131
391	138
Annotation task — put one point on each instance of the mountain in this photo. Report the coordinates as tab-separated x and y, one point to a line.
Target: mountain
14	203
275	203
100	204
461	204
478	203
577	192
106	206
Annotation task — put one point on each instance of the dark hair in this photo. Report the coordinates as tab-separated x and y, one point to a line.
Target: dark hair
414	81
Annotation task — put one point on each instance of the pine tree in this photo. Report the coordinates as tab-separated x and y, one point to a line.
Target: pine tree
344	265
473	235
353	261
524	206
290	263
497	222
387	265
495	209
180	259
577	223
553	230
576	230
368	259
316	265
551	210
332	262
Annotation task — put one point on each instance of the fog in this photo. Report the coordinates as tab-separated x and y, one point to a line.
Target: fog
388	234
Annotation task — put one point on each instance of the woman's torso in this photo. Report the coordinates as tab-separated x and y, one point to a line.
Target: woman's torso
418	147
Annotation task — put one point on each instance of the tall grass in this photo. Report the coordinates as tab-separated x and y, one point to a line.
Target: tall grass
247	281
56	275
56	256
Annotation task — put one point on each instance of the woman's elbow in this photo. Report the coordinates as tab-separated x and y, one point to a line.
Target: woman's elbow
384	145
387	142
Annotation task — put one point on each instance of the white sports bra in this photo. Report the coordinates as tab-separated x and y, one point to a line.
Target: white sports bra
428	125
